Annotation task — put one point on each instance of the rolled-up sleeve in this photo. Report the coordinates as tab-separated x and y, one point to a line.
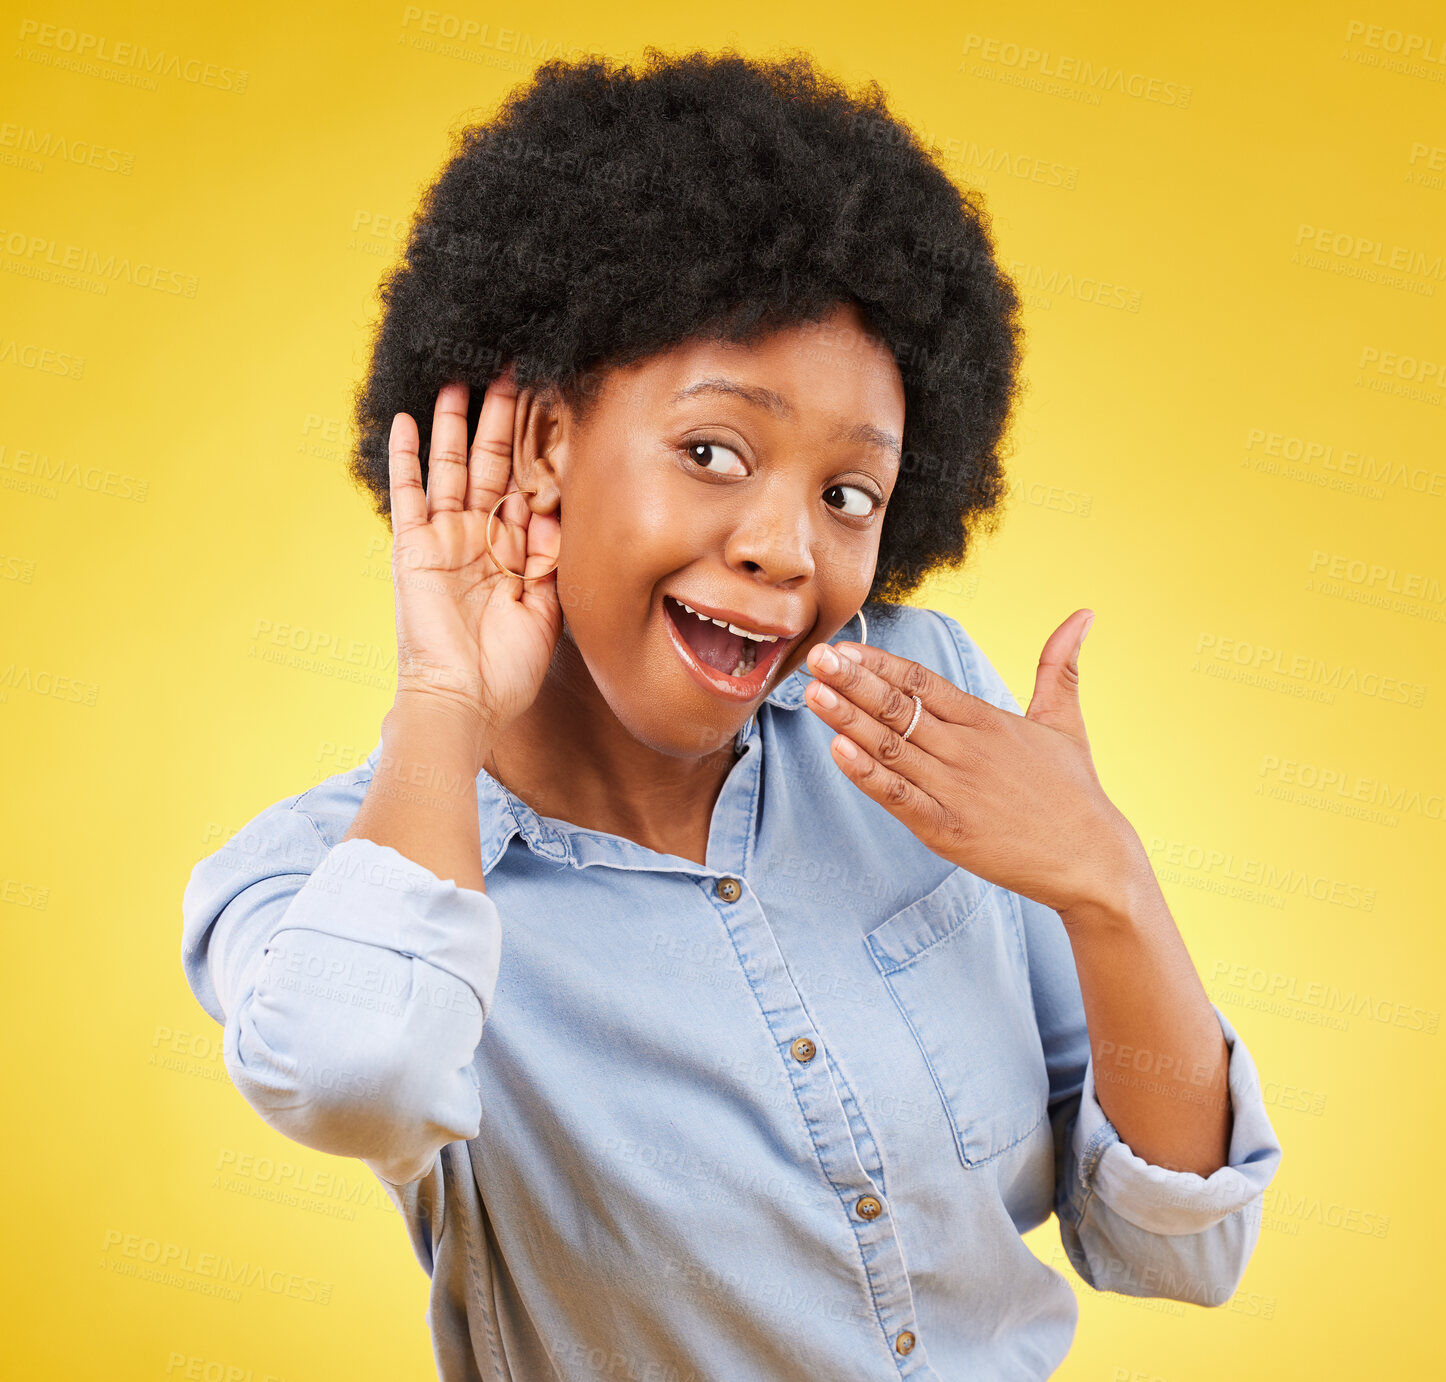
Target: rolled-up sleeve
353	985
1144	1230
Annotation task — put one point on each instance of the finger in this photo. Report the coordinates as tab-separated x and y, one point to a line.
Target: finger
885	685
1061	648
490	464
875	713
544	542
881	738
891	789
524	542
507	530
404	474
447	454
1056	681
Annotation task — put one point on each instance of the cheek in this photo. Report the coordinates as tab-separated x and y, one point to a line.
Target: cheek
665	522
637	523
612	554
864	561
845	570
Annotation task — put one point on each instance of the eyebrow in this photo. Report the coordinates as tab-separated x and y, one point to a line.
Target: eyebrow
864	433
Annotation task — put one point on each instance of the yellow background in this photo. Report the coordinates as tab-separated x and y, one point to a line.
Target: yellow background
180	490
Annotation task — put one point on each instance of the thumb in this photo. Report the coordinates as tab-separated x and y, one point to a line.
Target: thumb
1056	684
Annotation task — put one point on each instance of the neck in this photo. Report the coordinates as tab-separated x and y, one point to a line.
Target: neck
569	757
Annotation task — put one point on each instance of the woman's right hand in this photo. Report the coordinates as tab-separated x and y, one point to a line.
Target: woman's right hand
468	633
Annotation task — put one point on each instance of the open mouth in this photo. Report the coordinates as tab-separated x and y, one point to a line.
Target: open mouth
727	660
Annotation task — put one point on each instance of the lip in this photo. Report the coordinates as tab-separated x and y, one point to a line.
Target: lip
738	689
742	620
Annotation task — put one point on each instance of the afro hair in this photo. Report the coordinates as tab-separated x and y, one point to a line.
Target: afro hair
606	214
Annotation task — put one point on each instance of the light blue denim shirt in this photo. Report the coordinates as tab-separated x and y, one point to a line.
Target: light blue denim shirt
781	1116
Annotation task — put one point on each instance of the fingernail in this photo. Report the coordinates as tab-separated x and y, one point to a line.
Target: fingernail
846	747
824	696
850	652
826	658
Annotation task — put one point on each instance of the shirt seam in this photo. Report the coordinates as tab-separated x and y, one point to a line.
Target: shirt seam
750	833
298	806
950	630
1099	1143
311	820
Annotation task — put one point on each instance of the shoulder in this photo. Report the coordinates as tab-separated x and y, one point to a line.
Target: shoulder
289	838
939	642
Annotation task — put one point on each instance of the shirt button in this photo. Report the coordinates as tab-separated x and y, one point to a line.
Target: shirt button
729	889
905	1342
869	1208
804	1050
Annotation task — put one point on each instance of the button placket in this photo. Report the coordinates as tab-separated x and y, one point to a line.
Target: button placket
889	1300
865	1145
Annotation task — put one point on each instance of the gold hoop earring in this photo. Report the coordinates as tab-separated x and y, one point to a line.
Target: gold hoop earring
864	625
492	513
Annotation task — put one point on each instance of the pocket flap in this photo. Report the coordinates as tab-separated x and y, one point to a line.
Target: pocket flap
905	936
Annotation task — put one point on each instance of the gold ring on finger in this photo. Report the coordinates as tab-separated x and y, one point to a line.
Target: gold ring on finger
918	710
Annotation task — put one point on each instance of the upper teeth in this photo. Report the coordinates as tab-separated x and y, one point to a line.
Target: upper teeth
732	628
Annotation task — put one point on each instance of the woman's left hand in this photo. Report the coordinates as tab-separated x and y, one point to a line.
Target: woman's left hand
1012	798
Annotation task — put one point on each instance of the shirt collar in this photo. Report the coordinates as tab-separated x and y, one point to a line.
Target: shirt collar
503	815
788	694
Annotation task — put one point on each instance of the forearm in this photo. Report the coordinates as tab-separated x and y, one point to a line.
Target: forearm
422	800
1160	1058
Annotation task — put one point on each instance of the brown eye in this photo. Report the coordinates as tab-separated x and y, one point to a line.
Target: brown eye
701	454
869	502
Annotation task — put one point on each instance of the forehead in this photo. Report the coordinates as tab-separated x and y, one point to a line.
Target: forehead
829	372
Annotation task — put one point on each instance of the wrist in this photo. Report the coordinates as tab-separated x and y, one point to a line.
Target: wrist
445	730
1122	886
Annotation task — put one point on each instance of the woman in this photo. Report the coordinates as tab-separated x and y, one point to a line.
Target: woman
718	996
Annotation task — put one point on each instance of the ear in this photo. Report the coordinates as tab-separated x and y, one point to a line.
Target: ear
540	431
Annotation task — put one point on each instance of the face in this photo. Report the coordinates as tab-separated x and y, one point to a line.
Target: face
747	482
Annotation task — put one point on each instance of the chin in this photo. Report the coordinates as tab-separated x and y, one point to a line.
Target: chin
694	741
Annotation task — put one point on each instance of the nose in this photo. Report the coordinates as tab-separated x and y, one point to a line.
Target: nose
773	539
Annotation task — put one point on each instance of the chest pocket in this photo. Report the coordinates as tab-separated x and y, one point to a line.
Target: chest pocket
955	965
